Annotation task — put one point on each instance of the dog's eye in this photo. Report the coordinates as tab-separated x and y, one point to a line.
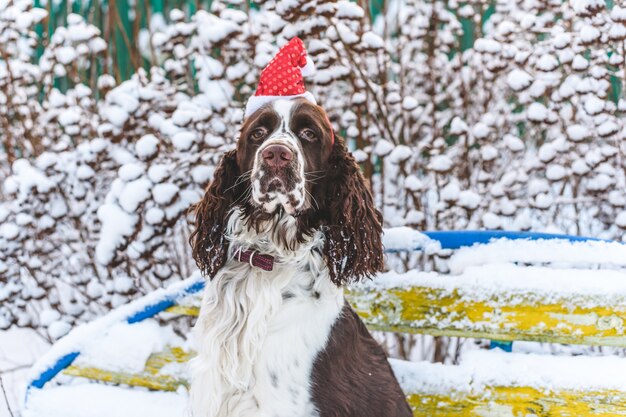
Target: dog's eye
258	133
308	134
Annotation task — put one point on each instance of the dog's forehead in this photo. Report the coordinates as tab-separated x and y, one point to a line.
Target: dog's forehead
288	109
283	110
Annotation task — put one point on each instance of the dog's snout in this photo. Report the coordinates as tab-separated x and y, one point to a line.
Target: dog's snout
277	155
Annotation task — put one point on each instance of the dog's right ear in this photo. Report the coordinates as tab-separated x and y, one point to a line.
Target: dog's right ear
208	244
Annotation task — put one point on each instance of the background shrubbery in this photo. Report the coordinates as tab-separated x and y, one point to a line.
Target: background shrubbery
505	114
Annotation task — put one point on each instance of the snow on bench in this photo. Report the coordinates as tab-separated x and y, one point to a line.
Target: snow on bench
485	383
551	291
495	301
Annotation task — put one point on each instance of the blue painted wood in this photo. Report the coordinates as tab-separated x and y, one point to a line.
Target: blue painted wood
62	363
159	306
461	238
504	345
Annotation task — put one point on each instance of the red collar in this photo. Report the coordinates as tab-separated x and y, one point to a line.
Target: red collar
254	258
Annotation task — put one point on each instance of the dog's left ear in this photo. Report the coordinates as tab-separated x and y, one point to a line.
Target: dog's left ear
208	243
353	248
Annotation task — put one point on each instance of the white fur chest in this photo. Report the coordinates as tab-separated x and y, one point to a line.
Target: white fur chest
295	336
259	333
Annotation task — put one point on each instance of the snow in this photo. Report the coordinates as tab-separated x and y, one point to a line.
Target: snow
577	132
600	182
85	172
400	154
69	117
130	171
94	400
413	183
602	253
345	34
618	14
147	146
469	199
608	128
403	238
19	348
547	63
593	105
28	178
555	172
519	80
572	286
537	112
440	163
164	193
134	194
183	140
211	29
580	63
513	143
348	9
620	220
154	215
589	34
9	231
409	103
479	369
80	338
48	316
458	126
491	221
126	347
488	45
383	147
372	40
488	153
450	192
201	174
58	329
480	130
117	225
66	54
115	114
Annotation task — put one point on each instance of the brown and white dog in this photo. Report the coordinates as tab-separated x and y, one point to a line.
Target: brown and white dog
284	342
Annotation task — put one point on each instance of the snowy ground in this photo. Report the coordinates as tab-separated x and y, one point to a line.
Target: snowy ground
19	348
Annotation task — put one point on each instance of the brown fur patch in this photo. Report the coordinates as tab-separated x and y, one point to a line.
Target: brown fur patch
352	377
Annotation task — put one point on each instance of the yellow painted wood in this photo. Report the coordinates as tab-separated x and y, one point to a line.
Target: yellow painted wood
490	401
151	377
183	310
520	402
531	317
506	317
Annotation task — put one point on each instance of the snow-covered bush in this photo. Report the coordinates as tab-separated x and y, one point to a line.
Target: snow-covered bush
522	131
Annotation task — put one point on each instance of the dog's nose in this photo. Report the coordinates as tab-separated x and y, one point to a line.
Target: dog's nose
277	155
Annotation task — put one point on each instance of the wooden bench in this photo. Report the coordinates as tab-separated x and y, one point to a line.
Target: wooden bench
503	302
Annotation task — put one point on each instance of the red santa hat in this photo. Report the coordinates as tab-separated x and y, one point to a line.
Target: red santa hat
282	78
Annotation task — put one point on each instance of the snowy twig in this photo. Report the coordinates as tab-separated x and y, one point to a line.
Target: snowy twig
6	397
15	368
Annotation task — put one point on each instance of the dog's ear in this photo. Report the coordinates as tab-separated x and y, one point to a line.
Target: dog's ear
208	243
353	247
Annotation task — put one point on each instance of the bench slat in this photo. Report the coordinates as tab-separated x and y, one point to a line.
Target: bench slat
151	377
530	317
502	401
520	401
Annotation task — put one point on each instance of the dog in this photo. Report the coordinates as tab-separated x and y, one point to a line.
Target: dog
287	221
